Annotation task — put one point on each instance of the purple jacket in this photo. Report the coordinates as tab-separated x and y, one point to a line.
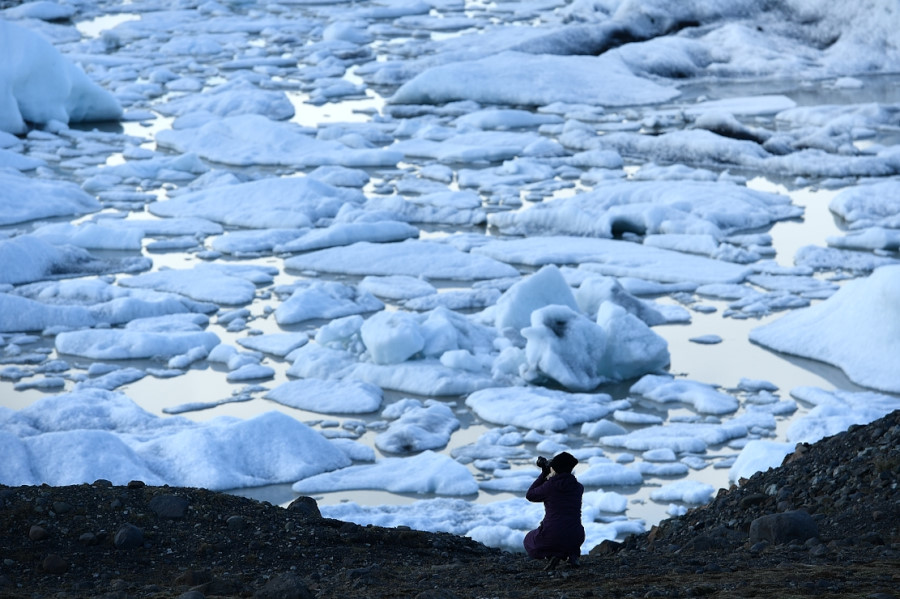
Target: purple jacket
560	533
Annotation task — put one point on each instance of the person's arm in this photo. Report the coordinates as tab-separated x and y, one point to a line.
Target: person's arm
539	490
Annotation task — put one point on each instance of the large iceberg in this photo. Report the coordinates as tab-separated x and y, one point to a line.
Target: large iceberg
39	85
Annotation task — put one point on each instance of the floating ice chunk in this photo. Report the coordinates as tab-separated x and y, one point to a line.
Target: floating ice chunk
678	437
200	283
24	199
836	411
652	207
325	299
341	234
250	139
112	344
113	380
593	291
544	288
743	106
854	329
609	474
231	99
461	208
267	203
27	259
460	299
412	258
392	337
538	408
667	469
820	258
706	339
601	428
419	428
614	258
516	481
90	236
428	472
250	372
508	78
577	353
641	418
870	205
328	397
22	314
686	491
397	287
253	242
508	118
40	85
88	434
469	147
704	398
758	456
874	238
277	344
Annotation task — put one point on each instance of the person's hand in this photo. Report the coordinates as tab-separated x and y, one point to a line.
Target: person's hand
552	473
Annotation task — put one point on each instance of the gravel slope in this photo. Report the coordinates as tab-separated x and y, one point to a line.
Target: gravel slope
837	535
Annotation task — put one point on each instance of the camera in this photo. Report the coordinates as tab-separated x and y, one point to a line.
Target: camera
542	462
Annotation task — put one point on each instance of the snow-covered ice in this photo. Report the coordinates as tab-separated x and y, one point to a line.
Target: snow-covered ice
374	250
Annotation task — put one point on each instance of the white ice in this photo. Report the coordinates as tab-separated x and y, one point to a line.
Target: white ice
434	218
854	330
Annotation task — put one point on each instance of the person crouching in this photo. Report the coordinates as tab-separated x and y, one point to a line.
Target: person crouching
560	534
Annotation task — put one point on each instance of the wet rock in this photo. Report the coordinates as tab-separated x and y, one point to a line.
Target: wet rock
169	506
285	586
796	525
129	536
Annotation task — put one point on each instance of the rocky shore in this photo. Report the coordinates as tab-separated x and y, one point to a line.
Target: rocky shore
824	524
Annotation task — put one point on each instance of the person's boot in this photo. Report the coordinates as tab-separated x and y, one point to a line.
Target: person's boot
551	565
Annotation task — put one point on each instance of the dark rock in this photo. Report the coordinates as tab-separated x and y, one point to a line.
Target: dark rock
236	522
780	528
305	506
38	533
606	547
136	484
753	499
129	537
54	564
192	594
102	483
285	586
169	506
88	539
61	507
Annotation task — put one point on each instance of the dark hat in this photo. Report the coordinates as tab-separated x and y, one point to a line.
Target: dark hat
564	462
